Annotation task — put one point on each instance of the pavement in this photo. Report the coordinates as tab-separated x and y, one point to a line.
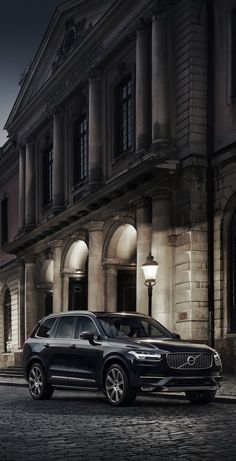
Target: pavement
226	393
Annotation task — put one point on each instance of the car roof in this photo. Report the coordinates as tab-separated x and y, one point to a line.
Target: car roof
96	314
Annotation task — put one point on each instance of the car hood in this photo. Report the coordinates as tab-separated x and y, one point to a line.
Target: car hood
164	344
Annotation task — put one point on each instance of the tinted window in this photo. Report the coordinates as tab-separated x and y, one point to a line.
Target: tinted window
85	324
133	327
46	326
65	327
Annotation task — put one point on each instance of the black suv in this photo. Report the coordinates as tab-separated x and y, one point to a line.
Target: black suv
120	353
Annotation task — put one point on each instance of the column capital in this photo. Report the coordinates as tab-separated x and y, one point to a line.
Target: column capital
142	24
30	259
95	226
58	111
95	74
162	195
159	10
21	146
56	243
143	202
29	140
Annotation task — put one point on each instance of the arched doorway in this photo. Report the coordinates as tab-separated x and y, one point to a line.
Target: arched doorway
45	286
120	266
7	321
76	269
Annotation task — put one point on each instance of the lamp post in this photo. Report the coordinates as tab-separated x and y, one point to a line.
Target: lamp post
150	268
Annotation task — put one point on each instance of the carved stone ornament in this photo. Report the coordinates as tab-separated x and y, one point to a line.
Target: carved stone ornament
160	8
74	34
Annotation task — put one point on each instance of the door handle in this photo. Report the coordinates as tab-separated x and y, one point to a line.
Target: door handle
46	345
73	346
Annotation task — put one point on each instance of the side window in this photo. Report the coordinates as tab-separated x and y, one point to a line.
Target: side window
46	327
85	324
65	327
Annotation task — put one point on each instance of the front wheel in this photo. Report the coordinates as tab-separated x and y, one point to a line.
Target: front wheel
117	387
38	386
200	396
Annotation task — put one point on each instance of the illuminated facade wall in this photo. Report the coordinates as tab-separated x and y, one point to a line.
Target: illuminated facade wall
114	143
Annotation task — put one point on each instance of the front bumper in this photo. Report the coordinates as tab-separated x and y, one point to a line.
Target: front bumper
180	383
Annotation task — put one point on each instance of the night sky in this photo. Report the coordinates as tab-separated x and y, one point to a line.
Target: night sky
22	27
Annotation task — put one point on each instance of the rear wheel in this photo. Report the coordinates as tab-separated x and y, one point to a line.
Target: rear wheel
200	396
117	387
38	386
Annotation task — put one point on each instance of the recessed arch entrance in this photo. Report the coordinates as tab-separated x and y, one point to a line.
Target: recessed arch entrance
120	264
76	275
45	285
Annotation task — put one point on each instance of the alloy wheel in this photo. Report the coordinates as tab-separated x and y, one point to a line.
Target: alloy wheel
36	381
115	385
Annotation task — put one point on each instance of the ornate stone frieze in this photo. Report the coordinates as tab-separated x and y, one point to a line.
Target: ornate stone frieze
74	34
73	77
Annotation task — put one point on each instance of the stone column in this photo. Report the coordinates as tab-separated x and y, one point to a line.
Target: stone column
21	187
160	108
144	239
65	284
31	314
143	87
29	183
95	279
57	280
58	160
111	292
95	130
162	252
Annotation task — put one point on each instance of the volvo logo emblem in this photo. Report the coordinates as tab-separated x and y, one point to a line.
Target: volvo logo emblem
191	360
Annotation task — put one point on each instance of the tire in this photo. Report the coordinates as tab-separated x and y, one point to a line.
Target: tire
117	388
200	396
38	386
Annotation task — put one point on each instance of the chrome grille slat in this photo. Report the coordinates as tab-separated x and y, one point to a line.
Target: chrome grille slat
180	360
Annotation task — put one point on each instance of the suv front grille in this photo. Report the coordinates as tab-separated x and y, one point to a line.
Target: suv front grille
189	360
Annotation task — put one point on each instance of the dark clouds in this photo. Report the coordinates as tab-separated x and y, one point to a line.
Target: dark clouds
22	26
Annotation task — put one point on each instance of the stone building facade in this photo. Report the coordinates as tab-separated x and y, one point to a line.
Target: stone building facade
122	142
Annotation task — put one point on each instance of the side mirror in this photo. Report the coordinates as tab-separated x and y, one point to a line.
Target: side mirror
89	335
176	335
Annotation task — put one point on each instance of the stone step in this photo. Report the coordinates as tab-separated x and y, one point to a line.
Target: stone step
12	372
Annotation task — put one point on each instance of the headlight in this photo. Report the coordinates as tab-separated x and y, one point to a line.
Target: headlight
217	359
143	355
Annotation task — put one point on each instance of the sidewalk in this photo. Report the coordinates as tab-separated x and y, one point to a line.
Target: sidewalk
226	394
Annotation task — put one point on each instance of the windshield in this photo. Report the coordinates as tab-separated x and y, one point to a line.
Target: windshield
132	327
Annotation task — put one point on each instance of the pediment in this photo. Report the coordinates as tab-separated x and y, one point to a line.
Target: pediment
71	24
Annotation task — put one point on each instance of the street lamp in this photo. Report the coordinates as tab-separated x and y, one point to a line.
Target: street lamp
150	268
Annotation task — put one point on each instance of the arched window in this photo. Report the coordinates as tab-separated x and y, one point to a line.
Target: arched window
232	310
7	320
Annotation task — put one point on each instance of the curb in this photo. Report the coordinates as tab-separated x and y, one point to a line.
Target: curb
12	383
218	399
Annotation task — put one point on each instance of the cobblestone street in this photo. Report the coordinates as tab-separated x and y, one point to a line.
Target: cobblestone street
82	426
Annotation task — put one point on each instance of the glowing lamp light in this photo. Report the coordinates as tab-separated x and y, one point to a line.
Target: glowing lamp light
150	268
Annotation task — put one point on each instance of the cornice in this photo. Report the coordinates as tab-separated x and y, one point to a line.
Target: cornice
132	184
92	52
